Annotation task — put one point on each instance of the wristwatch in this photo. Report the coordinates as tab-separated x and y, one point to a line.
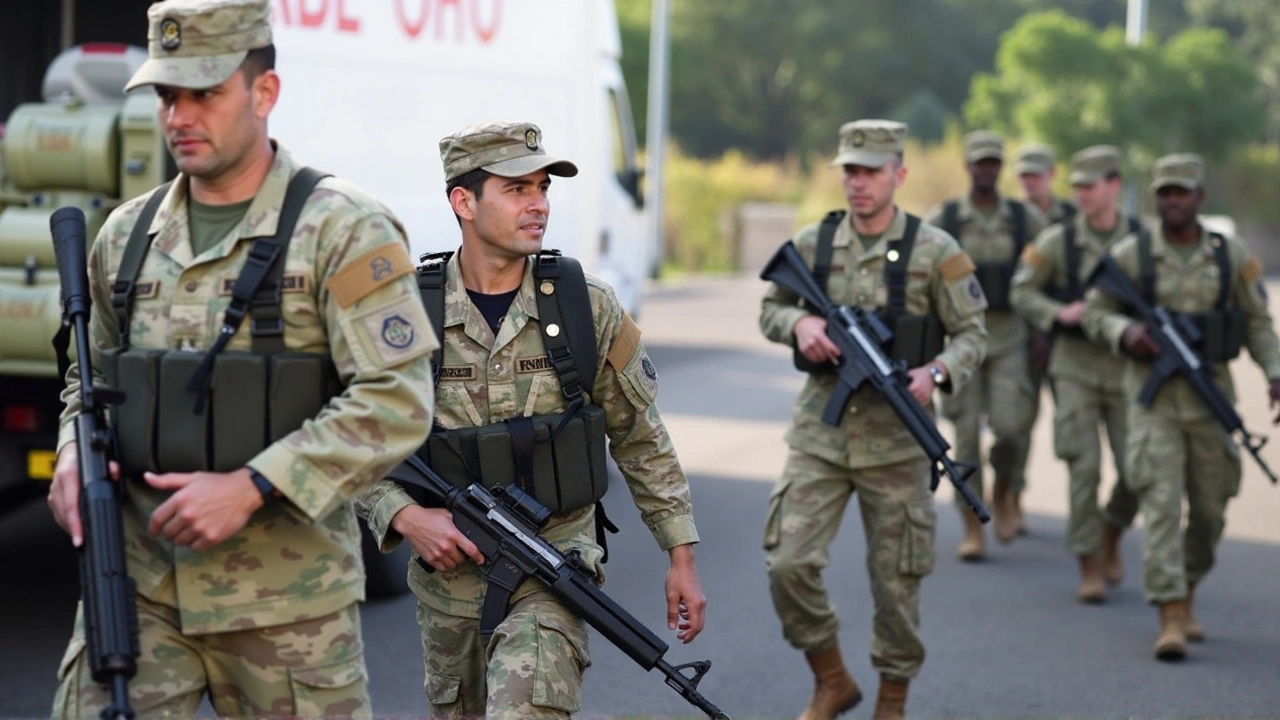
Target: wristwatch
936	373
263	484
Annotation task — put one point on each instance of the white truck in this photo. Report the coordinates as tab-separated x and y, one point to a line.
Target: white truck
368	89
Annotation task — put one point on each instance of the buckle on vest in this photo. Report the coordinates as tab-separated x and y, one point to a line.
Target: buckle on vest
267	326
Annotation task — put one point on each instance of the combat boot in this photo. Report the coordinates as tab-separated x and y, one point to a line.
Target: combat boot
1112	569
1191	627
1005	511
971	547
834	690
891	703
1092	588
1172	643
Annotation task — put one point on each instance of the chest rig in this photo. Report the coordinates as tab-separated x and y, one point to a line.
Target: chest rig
917	339
994	277
559	459
188	411
1222	328
1074	289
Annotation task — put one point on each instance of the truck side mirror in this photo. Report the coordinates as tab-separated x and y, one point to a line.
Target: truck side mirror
630	179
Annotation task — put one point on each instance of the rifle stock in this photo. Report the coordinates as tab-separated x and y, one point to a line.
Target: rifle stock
859	336
110	598
503	524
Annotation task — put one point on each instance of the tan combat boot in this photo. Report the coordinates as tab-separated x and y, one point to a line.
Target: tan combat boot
834	691
891	703
1092	588
971	547
1172	643
1005	511
1191	627
1112	569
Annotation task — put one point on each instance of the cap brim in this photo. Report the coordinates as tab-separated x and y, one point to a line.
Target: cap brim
1183	183
977	155
195	72
1081	177
521	166
864	158
1032	168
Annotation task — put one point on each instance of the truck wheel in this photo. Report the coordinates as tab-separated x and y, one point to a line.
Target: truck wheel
386	575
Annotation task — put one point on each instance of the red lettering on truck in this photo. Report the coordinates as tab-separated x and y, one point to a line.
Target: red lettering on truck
414	16
316	13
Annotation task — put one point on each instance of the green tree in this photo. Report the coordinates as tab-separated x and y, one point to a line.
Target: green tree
1255	25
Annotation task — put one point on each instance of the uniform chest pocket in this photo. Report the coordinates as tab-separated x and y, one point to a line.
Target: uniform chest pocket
543	396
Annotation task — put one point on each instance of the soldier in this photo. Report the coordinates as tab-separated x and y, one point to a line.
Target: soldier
245	548
496	374
1175	446
1048	291
879	258
994	230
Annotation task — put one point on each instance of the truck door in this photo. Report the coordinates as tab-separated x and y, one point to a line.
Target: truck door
624	256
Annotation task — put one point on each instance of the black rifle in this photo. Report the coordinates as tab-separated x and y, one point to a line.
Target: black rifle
110	602
1176	334
503	523
860	336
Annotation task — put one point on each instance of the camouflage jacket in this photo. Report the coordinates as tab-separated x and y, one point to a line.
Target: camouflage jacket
487	379
1044	264
940	282
298	557
989	238
1188	286
1056	213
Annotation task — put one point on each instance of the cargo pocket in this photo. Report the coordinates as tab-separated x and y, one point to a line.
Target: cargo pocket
916	554
66	701
1139	467
773	522
441	689
562	658
1231	470
337	689
1066	434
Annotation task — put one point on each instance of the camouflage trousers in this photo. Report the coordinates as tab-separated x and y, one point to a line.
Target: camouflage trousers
1000	393
530	667
898	519
1166	459
309	669
1079	411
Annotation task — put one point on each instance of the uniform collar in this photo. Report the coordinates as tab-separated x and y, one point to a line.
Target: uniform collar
1160	245
967	209
459	310
170	227
893	233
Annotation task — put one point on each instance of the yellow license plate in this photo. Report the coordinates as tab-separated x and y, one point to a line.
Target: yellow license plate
40	464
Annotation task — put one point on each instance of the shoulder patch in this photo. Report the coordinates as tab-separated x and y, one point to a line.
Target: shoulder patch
1251	270
956	267
390	334
624	346
1031	256
369	272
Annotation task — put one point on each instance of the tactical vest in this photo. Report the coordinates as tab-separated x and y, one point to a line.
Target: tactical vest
1073	290
1069	211
1222	329
559	459
917	339
994	277
187	411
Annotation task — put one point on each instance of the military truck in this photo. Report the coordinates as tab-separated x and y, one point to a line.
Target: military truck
90	145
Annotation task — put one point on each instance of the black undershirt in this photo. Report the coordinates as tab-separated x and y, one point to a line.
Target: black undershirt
493	307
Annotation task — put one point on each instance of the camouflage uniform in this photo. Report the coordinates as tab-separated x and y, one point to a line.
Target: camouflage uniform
1001	389
533	663
266	621
871	452
1086	381
1175	446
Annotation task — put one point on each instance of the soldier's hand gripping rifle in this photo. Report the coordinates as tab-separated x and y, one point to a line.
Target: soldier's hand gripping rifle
503	523
860	335
1175	334
110	609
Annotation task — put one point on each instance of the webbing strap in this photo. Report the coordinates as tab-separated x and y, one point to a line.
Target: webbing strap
826	247
135	253
895	268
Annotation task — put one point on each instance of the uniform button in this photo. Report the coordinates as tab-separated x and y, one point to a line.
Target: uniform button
192	285
497	367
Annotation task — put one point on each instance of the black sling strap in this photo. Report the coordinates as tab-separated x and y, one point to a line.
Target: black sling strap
1072	250
1069	210
826	246
895	268
135	253
264	260
431	288
951	219
1147	269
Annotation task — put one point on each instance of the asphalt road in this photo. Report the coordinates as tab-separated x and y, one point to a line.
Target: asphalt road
1006	638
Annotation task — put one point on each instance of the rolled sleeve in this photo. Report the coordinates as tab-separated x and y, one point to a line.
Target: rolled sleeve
378	505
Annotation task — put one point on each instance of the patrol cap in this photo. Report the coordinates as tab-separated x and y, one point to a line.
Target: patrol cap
506	149
200	43
1034	159
1184	170
1094	163
983	145
870	143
